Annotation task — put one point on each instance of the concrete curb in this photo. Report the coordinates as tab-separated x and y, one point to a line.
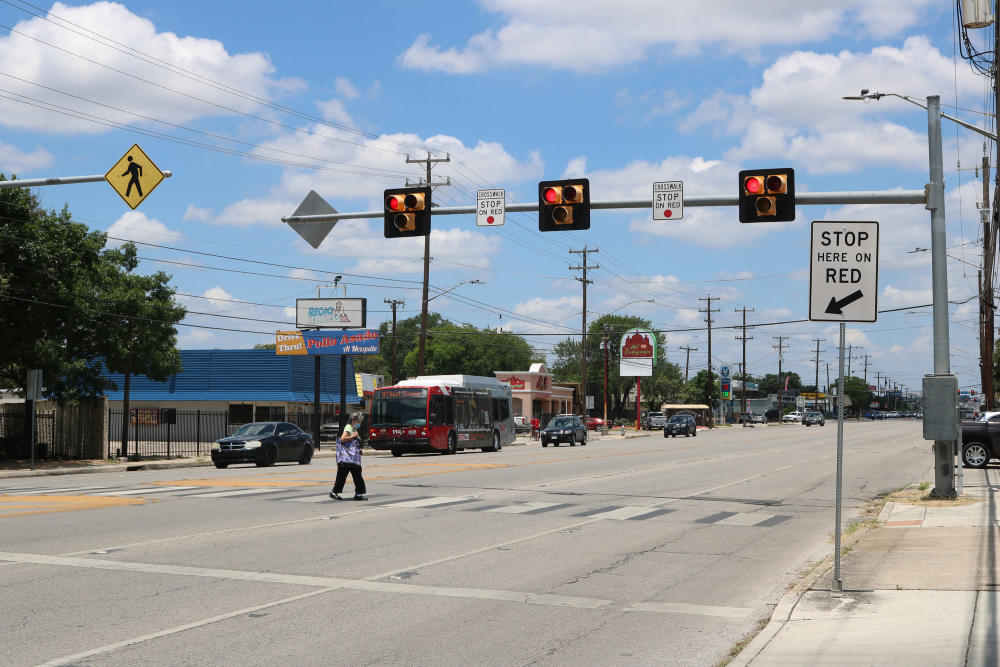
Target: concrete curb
782	612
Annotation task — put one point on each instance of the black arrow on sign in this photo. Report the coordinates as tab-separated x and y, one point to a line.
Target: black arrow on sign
836	307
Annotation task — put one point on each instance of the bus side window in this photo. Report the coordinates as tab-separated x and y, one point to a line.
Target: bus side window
449	416
438	411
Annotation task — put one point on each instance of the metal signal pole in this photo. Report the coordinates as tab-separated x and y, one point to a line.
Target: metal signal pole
429	161
816	395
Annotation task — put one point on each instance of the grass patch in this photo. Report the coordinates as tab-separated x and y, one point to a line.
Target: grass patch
742	644
854	525
923	486
915	495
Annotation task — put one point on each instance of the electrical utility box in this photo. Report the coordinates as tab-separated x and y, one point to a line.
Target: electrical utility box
940	407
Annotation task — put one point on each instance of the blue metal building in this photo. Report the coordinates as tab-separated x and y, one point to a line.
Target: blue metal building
251	385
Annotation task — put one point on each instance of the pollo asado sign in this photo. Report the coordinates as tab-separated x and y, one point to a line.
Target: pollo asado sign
358	341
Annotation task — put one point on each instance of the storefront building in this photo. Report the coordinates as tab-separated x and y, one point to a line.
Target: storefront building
534	395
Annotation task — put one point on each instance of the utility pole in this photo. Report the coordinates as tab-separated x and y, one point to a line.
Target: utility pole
744	338
866	370
850	355
816	395
827	378
709	310
429	161
878	387
986	301
583	326
780	347
607	336
687	363
392	304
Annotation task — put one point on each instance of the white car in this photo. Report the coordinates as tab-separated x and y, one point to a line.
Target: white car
794	417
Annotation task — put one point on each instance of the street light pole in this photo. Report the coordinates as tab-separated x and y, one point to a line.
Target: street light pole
941	383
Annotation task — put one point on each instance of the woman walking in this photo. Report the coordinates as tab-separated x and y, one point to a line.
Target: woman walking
349	460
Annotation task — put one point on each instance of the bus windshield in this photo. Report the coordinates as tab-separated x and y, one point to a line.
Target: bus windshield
395	409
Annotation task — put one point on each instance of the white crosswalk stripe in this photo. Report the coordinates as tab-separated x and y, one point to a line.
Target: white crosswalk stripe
52	491
521	508
428	502
237	492
144	491
744	519
307	499
623	513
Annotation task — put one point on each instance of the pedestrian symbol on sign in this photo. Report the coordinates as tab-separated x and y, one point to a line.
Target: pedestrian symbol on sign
134	176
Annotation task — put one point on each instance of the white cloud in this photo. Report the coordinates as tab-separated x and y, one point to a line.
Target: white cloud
23	55
335	111
345	88
135	226
13	160
244	213
594	34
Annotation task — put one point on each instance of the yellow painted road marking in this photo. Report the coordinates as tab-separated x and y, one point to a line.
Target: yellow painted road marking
24	505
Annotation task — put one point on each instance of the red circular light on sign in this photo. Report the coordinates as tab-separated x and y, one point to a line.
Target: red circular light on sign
392	202
667	213
551	196
489	220
753	184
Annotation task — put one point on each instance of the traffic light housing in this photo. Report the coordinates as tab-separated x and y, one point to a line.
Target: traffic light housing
407	212
564	205
767	195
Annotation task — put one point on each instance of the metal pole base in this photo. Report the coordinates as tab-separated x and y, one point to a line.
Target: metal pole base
944	470
837	588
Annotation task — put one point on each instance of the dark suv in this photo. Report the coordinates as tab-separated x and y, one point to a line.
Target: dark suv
679	424
813	418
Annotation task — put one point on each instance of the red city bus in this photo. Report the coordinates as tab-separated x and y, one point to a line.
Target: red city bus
434	418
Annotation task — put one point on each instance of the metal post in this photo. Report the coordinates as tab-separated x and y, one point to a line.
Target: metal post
317	403
944	486
197	433
638	402
838	585
343	392
31	416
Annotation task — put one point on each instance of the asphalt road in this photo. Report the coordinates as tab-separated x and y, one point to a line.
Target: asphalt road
640	551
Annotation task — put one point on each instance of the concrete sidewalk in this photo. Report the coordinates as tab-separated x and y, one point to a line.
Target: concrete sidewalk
922	588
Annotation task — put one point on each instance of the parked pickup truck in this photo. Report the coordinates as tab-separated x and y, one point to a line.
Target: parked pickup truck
654	420
981	440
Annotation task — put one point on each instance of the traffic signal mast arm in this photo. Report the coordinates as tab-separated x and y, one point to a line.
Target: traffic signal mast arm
801	198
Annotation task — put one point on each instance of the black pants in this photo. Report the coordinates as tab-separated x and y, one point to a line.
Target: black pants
355	470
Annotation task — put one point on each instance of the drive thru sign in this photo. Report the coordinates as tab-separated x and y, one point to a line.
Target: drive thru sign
843	272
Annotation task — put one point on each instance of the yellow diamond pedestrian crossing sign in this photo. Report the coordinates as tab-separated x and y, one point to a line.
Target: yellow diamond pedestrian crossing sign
134	176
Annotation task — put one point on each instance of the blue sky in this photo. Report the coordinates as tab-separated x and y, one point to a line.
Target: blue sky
332	97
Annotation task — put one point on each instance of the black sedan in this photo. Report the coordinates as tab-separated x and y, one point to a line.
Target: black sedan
680	425
564	429
264	443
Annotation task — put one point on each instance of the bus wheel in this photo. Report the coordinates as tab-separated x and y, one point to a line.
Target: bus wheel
397	452
496	443
452	444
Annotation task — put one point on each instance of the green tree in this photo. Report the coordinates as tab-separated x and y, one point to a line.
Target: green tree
663	385
57	307
702	389
450	349
856	389
770	384
142	339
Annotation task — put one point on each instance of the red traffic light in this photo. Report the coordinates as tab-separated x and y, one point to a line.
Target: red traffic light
393	203
551	195
754	185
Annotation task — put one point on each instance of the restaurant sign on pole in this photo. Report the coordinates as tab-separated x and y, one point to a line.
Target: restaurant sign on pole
638	353
330	313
